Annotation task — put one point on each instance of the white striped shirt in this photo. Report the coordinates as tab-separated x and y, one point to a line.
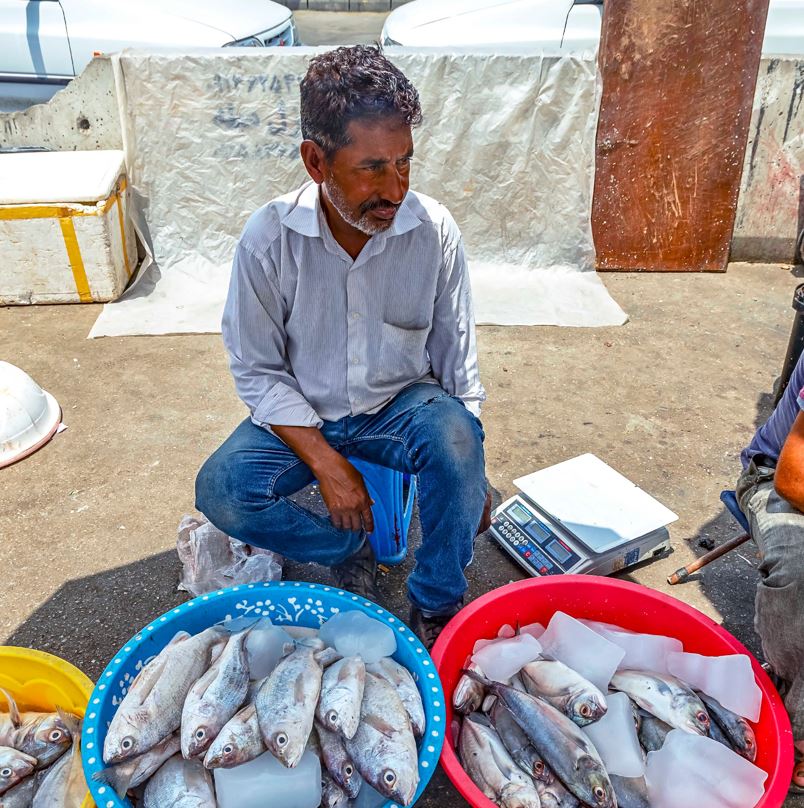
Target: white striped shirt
314	335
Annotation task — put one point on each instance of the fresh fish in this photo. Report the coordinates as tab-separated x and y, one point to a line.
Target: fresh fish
468	694
517	743
332	795
20	795
44	736
632	792
238	742
152	708
342	686
137	770
64	786
384	749
717	734
665	697
517	683
491	768
652	732
400	677
14	766
337	761
180	783
554	795
286	705
737	730
215	698
564	747
565	689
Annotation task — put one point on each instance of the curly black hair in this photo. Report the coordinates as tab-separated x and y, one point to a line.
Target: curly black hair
349	83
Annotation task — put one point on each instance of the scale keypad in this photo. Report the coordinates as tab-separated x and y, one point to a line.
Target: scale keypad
526	547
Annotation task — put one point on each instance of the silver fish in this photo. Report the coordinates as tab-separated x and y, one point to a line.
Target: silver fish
652	732
286	705
561	743
491	768
14	766
332	795
384	748
554	795
400	677
338	762
64	786
341	695
238	742
518	744
137	770
468	694
44	736
152	708
665	697
737	730
565	689
21	795
632	792
180	783
215	698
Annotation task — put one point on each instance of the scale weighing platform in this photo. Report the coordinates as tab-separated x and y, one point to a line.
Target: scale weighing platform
580	516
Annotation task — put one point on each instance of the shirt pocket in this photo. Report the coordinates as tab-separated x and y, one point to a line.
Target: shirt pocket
403	353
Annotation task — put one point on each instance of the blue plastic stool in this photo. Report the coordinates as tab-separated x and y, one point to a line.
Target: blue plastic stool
393	493
729	499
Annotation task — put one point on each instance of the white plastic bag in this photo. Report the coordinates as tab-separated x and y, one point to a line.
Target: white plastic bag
212	560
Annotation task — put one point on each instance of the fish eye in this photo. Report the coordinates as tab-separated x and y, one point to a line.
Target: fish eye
228	749
55	735
126	744
348	770
200	734
281	739
585	710
332	717
388	777
539	768
600	793
6	772
702	717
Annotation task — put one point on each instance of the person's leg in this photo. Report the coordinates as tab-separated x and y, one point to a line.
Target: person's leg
778	529
244	489
426	432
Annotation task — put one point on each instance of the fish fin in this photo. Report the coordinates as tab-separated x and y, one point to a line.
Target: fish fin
72	722
13	710
118	780
477	677
383	727
299	692
479	718
145	681
237	624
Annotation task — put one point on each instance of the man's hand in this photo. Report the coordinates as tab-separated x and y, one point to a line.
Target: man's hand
342	486
485	519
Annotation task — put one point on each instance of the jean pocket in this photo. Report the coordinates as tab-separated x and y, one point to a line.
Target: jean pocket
403	354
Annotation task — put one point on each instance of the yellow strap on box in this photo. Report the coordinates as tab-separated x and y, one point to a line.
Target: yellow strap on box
76	262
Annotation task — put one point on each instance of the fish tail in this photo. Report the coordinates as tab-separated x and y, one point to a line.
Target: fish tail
477	677
13	710
115	778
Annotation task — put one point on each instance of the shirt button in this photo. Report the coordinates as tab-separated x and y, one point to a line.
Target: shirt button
355	315
355	360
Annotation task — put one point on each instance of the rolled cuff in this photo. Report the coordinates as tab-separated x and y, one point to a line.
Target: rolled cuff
284	406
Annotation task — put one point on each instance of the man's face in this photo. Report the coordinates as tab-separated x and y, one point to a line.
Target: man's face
367	180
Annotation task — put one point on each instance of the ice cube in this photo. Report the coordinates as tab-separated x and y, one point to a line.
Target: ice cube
247	785
643	652
583	650
729	679
502	658
265	646
506	631
695	770
534	629
354	633
367	797
615	738
482	644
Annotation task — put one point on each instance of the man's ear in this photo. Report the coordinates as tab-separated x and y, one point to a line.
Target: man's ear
313	157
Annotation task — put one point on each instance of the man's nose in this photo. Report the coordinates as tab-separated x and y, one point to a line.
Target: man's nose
394	186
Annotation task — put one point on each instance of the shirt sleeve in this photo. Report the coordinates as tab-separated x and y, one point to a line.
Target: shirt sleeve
451	344
254	335
801	399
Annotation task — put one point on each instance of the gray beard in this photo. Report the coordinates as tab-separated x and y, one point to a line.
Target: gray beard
363	224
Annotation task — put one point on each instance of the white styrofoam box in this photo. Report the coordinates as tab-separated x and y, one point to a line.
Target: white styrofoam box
64	233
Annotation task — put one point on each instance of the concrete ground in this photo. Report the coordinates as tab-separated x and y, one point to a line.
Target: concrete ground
88	524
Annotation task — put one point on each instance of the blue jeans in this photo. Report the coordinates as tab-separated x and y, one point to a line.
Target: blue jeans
243	488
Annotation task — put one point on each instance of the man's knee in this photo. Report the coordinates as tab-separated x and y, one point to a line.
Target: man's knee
452	435
215	492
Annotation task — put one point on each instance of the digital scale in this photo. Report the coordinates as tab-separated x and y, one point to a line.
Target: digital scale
580	516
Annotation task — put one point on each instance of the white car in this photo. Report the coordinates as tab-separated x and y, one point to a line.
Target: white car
45	43
555	26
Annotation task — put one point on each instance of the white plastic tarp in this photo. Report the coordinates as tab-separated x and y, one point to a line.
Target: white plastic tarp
507	144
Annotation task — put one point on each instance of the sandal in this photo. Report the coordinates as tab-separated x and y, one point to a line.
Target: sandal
798	769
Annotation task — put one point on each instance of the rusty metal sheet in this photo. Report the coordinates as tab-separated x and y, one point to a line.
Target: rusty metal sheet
678	84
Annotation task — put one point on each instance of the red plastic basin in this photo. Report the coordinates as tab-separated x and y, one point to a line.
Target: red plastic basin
625	604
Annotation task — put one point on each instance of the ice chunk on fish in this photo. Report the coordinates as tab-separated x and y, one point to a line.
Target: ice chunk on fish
502	658
266	644
693	770
354	633
729	679
615	738
643	652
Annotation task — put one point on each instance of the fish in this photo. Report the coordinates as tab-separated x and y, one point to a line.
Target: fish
215	698
469	693
652	731
44	736
135	771
384	748
401	678
491	768
632	792
180	783
238	742
338	708
152	708
563	746
332	794
737	730
20	795
554	795
338	762
565	689
14	766
517	743
666	697
286	705
64	785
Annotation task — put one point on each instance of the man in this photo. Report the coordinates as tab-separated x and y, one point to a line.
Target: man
350	333
771	494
